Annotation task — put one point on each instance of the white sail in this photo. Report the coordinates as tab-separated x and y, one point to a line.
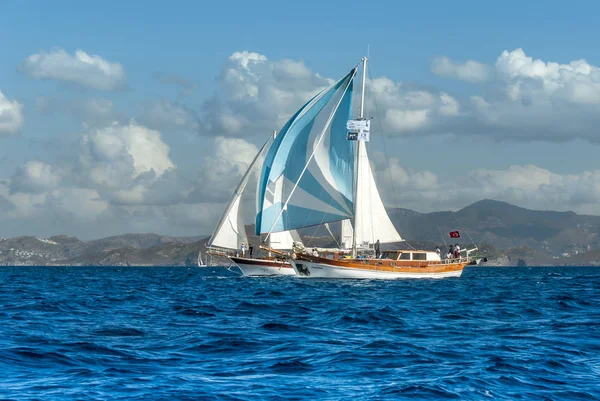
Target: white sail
346	237
230	232
283	240
372	222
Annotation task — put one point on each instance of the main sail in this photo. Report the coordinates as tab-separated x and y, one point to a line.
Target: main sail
372	222
230	232
307	176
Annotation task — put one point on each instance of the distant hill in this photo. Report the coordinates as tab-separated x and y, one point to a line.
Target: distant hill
121	250
507	234
552	234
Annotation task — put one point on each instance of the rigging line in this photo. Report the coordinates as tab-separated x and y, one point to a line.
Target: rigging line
322	216
333	236
442	236
464	228
385	146
385	149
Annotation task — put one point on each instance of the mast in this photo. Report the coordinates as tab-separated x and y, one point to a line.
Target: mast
361	116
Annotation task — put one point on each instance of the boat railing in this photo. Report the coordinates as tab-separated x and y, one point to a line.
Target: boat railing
462	259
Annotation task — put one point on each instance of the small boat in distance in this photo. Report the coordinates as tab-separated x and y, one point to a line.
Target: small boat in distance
200	262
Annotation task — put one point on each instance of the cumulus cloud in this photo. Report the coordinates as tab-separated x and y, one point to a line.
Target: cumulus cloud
114	159
83	204
577	82
87	70
222	171
527	99
404	109
35	177
257	95
11	116
124	181
524	185
470	71
524	99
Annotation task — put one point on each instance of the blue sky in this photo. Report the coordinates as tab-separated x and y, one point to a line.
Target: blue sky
463	121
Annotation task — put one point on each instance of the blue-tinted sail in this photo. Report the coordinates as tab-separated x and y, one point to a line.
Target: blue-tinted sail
307	176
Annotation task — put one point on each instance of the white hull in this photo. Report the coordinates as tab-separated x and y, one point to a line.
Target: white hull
253	267
323	270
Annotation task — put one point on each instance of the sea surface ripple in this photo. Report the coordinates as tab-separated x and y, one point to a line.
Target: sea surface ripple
206	333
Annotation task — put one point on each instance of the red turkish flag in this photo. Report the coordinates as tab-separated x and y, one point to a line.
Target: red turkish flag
454	234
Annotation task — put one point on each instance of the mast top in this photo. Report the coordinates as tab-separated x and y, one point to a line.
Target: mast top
361	115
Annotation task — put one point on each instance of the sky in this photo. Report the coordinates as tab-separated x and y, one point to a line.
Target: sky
134	117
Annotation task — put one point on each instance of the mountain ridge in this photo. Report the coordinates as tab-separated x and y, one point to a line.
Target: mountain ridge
505	230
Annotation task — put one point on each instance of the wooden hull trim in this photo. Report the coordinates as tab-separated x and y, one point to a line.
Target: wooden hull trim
315	267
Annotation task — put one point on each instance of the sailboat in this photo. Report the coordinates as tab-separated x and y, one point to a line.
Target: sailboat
199	261
317	171
230	233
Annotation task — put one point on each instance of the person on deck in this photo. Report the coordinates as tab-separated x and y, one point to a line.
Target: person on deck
437	250
243	250
377	250
250	249
315	252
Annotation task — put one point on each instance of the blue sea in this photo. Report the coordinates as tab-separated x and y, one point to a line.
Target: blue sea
164	333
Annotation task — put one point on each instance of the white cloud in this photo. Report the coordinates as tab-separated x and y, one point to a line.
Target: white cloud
35	177
404	109
257	95
124	181
115	155
11	116
406	120
524	185
577	82
236	151
124	178
528	99
81	203
470	71
221	172
81	68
